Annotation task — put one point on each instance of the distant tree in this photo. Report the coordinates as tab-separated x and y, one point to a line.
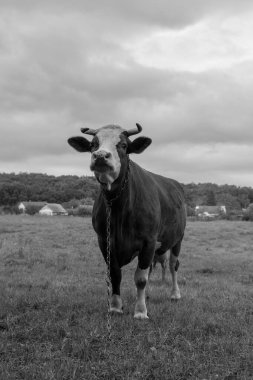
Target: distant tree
210	198
73	203
248	214
84	210
190	211
189	197
229	201
15	188
244	200
250	195
87	201
10	193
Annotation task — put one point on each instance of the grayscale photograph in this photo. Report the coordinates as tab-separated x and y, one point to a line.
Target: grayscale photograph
126	190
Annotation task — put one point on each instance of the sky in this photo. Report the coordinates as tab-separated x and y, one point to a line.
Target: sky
182	69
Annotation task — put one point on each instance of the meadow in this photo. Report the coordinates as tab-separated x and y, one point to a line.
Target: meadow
53	306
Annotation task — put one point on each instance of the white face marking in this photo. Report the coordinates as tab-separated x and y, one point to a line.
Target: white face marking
108	138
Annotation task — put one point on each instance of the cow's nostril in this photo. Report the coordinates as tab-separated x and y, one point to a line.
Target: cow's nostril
101	155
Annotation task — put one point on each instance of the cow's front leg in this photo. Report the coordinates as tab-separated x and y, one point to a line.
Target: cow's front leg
116	302
141	279
115	278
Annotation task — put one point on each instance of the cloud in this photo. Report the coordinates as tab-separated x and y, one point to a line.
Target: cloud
206	45
183	70
116	14
220	163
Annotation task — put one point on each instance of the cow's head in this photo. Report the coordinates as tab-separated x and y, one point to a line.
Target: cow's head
109	149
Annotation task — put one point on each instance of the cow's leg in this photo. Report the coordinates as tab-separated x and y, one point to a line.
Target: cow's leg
150	270
174	263
164	265
141	279
115	274
162	256
116	302
152	266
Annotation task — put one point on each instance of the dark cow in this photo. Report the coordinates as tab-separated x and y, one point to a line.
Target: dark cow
146	208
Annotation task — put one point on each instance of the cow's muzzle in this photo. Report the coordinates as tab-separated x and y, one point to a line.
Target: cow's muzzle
101	160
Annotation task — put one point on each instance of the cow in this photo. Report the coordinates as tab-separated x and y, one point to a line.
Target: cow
144	209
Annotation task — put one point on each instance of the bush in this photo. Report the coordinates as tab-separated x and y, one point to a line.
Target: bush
32	209
248	214
4	210
70	211
87	201
84	210
190	211
80	211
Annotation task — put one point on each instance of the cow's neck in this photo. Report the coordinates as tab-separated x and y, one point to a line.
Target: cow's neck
119	185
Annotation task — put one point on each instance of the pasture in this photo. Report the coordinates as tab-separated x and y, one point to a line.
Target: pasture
53	306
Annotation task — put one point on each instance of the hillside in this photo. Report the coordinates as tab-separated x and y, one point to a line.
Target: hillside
42	187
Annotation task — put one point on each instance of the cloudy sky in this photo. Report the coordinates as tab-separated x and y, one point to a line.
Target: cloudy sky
183	69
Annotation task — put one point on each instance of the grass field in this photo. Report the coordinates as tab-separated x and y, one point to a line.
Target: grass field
53	306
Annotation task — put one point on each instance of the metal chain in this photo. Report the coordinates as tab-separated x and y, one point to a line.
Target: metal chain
108	262
108	203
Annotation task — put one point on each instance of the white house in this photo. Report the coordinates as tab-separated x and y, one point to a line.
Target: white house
23	206
51	209
210	211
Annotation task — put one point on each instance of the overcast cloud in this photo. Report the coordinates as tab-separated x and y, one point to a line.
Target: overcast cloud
182	69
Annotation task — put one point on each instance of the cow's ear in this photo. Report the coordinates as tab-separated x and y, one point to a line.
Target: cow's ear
139	145
80	144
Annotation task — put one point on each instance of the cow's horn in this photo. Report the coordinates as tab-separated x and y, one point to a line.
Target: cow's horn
89	131
131	132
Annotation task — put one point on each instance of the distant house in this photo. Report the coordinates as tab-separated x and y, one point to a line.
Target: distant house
36	206
207	212
51	209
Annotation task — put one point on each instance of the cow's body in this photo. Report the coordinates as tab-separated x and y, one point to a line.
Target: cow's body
150	208
146	208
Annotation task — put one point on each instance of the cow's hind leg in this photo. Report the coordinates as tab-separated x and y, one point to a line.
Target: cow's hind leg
174	264
161	255
164	265
141	279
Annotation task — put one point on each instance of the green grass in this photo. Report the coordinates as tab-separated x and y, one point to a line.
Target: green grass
53	306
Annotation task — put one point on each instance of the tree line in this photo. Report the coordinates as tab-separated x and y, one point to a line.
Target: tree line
231	196
15	188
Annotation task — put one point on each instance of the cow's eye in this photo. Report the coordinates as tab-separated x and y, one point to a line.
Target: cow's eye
124	146
94	145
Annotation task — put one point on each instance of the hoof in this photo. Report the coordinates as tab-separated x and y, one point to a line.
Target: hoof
140	315
174	299
114	310
175	296
116	305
